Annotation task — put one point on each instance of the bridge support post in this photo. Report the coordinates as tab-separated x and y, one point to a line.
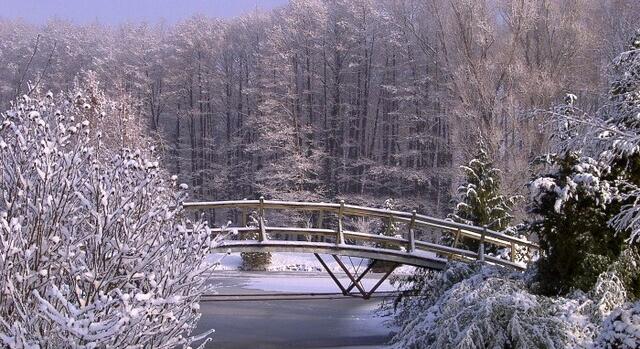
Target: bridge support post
384	277
320	219
457	238
261	206
262	236
355	282
333	277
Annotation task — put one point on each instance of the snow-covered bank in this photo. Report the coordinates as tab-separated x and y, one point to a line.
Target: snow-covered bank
478	306
302	262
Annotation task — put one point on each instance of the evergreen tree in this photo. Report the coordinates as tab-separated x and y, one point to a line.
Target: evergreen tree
589	208
622	141
389	227
479	200
574	203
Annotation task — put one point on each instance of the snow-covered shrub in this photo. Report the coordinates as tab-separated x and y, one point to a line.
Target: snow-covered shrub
389	227
475	306
524	255
621	329
621	137
94	250
573	203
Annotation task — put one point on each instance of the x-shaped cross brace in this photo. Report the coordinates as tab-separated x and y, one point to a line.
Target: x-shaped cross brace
355	282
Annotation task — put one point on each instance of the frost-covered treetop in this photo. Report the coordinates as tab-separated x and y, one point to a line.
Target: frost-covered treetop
572	176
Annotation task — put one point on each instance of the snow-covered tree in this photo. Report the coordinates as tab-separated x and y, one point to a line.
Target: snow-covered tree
389	227
94	248
480	201
588	205
622	138
573	203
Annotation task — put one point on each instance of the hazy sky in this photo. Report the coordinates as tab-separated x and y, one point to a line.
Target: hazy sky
117	11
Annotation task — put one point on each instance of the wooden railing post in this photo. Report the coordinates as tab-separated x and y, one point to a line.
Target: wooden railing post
262	236
481	248
457	238
320	237
412	238
513	252
244	216
320	219
340	236
261	206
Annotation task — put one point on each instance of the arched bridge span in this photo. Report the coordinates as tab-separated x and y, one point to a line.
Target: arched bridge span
332	228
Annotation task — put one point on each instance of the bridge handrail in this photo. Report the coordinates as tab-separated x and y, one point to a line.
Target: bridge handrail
466	230
420	245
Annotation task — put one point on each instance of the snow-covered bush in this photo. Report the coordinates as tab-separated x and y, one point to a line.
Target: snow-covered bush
523	255
588	205
389	227
621	329
481	306
612	137
94	250
475	306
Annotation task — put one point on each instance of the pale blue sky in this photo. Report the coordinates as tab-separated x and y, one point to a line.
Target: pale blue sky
117	11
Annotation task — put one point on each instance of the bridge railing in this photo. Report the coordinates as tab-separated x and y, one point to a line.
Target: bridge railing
413	220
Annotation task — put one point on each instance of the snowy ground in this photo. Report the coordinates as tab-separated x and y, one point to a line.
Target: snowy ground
287	282
304	262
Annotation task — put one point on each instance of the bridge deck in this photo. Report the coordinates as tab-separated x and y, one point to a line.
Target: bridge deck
417	258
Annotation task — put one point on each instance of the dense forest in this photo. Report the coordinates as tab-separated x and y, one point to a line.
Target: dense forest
324	99
518	116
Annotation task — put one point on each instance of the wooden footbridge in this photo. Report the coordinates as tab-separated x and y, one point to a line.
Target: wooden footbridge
331	228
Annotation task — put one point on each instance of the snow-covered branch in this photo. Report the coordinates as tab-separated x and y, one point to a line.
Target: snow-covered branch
95	251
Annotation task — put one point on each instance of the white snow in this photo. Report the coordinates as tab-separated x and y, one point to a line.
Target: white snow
312	282
302	262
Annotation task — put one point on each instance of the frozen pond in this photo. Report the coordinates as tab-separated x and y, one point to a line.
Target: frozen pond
315	323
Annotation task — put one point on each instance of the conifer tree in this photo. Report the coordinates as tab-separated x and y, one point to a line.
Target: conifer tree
588	207
480	201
